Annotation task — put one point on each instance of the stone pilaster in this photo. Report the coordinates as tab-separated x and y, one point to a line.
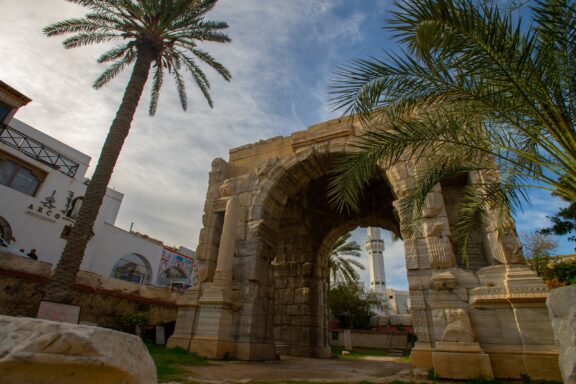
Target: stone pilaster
185	320
214	337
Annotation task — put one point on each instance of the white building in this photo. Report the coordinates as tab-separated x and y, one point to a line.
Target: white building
42	182
375	248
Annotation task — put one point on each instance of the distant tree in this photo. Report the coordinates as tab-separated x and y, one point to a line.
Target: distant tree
563	273
563	222
538	250
536	244
352	306
161	36
342	268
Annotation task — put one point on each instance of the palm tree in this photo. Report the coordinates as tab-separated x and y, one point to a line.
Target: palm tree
158	35
342	268
473	88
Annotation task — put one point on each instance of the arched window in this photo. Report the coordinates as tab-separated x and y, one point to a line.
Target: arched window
5	230
133	268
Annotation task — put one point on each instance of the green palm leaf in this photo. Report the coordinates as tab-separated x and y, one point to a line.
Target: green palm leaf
473	89
343	269
158	35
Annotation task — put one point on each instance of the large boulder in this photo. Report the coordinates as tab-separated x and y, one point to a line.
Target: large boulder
562	308
41	351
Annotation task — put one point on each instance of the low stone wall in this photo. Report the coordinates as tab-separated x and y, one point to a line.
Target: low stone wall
23	283
371	339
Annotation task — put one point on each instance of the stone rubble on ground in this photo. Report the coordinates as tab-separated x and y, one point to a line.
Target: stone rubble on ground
35	351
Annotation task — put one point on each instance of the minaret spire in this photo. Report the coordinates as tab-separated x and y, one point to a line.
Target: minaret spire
375	248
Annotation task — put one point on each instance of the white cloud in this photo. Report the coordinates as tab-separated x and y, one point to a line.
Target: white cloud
280	58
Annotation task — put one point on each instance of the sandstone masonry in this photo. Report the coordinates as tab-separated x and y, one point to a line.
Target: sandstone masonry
485	318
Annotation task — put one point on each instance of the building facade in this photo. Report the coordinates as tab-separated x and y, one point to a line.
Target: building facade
374	245
375	249
42	184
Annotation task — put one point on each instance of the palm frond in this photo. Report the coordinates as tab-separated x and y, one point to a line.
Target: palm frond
342	269
157	81
173	30
114	69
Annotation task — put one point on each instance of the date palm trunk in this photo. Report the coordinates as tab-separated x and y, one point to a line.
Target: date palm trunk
60	287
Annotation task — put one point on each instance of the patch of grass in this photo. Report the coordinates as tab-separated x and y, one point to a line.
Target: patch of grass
305	382
432	375
330	382
170	362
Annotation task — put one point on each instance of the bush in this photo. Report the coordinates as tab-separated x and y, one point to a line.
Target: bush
555	271
129	321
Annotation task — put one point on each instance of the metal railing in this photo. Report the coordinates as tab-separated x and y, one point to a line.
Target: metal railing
38	151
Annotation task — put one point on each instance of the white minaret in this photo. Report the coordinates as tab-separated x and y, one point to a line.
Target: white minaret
375	248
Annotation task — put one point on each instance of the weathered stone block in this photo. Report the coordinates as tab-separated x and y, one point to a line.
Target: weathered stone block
458	327
302	295
245	199
440	253
458	365
420	323
411	254
434	205
443	281
41	351
285	296
293	309
397	172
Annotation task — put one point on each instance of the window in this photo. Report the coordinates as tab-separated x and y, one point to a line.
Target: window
4	111
18	175
133	268
5	230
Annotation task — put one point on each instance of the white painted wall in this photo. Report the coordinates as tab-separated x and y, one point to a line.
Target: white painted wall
37	225
115	243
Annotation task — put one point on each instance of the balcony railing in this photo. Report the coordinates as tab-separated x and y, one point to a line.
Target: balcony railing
38	151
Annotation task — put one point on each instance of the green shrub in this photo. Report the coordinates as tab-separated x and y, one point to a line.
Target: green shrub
129	321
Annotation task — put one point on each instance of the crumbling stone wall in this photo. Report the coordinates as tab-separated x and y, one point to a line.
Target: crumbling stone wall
23	283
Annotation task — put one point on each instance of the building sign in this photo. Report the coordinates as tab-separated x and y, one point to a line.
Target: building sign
47	209
175	267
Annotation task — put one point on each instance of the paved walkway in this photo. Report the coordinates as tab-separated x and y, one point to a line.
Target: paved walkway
373	369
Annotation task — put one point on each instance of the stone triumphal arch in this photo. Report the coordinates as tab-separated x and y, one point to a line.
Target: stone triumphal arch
267	229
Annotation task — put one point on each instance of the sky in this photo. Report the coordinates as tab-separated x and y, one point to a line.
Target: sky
282	56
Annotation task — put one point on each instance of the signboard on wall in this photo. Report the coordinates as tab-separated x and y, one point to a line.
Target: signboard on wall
176	268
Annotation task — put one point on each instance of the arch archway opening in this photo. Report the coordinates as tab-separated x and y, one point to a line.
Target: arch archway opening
133	268
307	229
5	230
376	289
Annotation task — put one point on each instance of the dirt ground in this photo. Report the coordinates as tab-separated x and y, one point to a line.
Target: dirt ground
373	369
